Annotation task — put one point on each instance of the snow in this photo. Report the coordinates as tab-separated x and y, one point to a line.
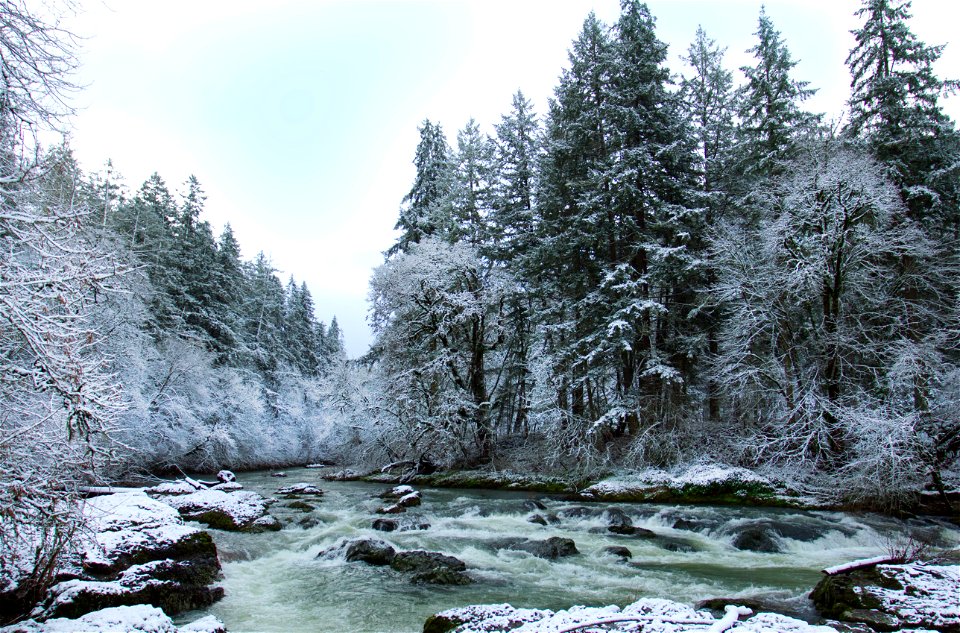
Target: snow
301	488
127	510
242	507
141	618
931	594
181	487
856	564
127	523
695	475
655	616
209	624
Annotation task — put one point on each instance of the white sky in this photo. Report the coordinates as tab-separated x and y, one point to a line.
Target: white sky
300	117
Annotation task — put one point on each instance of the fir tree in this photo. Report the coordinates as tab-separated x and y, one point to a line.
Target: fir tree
895	105
421	213
770	113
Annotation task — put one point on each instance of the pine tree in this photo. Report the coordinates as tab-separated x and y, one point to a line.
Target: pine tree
895	105
470	194
710	103
771	118
518	150
421	214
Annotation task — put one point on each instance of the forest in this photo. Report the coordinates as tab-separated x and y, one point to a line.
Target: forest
662	269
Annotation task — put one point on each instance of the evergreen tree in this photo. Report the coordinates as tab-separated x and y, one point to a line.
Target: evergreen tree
770	114
421	212
470	193
518	150
710	104
895	105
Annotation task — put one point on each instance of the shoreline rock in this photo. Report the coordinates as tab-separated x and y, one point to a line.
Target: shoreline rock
138	552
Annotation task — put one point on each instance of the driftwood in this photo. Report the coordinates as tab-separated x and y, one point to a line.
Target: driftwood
859	564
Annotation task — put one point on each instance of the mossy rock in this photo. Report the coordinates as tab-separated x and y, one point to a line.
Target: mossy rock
303	506
439	623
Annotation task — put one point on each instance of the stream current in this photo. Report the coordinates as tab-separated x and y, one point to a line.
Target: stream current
274	581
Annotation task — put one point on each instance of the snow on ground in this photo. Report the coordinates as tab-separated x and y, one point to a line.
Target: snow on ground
931	593
141	618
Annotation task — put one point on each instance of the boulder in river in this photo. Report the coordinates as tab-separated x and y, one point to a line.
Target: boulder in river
756	538
301	488
551	548
431	568
235	511
618	551
225	476
397	492
404	523
502	617
367	550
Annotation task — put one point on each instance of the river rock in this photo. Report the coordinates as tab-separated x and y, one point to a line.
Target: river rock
431	568
236	511
401	524
179	487
551	548
370	551
278	474
421	560
397	492
137	551
891	597
540	519
756	538
174	586
225	476
534	505
229	486
410	500
301	488
394	508
302	506
620	552
672	544
501	617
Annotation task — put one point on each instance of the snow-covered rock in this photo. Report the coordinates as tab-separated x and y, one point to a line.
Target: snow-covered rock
136	550
655	616
141	618
910	595
397	492
301	488
130	528
218	509
226	476
700	483
179	487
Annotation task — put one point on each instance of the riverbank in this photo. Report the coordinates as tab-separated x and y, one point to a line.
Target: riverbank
701	484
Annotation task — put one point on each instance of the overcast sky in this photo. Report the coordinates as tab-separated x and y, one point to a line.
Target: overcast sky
300	118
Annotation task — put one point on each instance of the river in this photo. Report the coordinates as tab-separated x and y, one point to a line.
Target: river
275	582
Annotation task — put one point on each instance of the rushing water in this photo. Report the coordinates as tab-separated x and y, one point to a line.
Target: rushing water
275	582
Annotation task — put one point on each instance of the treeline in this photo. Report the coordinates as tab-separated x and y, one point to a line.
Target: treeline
221	363
656	271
